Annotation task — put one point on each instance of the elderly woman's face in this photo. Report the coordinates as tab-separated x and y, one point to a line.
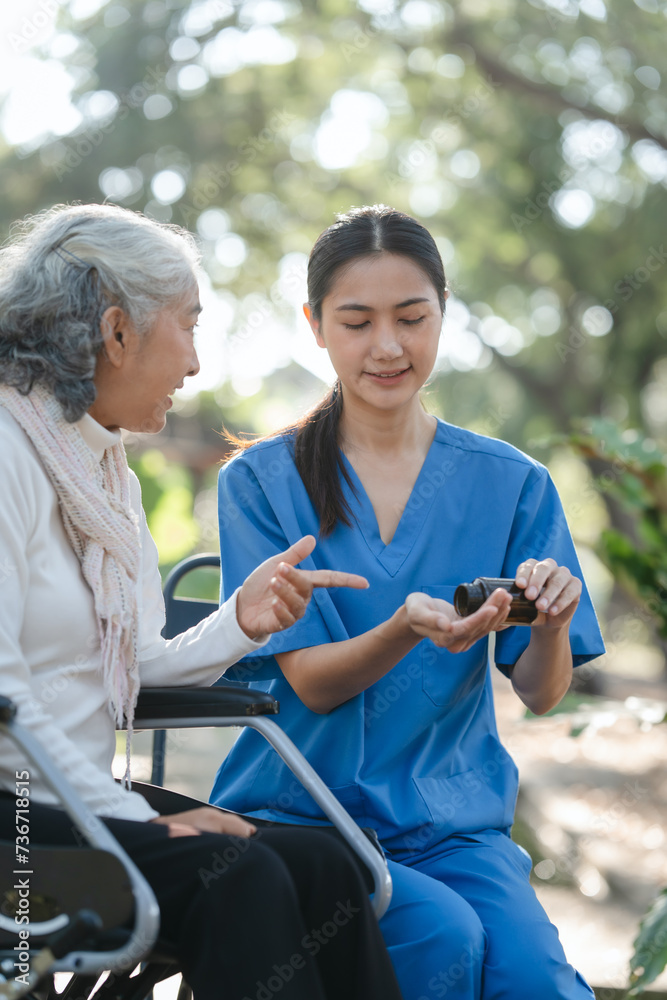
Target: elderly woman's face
136	376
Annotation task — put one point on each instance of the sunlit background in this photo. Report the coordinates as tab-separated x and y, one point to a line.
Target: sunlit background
48	76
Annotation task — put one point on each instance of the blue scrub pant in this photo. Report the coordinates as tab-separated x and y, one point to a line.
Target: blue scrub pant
465	924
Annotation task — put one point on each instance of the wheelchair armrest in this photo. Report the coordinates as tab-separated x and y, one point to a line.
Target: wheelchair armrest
207	702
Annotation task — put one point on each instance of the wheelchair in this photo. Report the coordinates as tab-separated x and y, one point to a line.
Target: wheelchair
81	901
91	910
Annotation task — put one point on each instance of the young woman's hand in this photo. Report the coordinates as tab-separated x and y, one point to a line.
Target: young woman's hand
205	820
556	589
435	619
276	594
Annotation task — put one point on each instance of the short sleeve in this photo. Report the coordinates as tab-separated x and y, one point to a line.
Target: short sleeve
540	531
254	528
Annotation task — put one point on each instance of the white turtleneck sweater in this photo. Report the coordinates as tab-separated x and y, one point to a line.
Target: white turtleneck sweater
49	645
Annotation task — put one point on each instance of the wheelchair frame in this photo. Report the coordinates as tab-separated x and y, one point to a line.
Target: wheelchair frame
147	913
159	709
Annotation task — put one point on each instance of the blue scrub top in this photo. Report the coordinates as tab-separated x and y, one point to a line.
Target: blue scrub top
416	755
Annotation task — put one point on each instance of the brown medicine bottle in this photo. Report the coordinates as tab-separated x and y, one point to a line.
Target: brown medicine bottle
469	597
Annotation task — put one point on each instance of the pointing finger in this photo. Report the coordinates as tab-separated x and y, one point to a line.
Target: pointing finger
335	578
303	580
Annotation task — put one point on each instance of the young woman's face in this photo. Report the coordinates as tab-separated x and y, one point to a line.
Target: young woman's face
381	324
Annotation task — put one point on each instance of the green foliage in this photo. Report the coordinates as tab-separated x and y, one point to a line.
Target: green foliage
650	955
167	499
633	471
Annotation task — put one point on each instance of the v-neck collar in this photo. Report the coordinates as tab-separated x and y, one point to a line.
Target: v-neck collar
427	484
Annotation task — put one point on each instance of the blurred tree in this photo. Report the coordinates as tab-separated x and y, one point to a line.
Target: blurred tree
530	137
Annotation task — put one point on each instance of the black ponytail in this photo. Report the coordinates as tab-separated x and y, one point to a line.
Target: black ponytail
320	463
317	457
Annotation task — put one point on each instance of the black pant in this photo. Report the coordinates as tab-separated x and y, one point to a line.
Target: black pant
285	913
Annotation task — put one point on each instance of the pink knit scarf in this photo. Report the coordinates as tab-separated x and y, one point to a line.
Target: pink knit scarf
94	500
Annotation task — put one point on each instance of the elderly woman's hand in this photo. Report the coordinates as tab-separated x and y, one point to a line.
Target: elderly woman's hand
205	820
276	594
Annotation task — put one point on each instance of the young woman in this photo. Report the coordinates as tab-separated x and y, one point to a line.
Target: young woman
387	691
97	313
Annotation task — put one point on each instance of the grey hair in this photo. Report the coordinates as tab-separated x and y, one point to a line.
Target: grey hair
61	270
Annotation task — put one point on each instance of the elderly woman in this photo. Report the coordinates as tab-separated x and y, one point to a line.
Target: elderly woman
98	307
